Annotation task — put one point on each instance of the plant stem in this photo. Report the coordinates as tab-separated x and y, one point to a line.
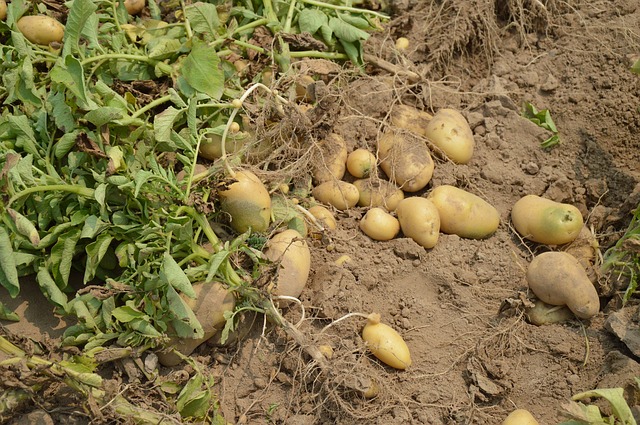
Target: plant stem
78	190
318	54
150	106
344	8
125	56
287	23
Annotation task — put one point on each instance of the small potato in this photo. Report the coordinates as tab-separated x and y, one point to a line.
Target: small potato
378	193
3	10
134	6
409	118
302	88
463	213
385	343
339	194
557	278
248	203
545	221
41	29
520	417
292	252
330	159
324	216
419	220
379	225
360	162
405	159
449	131
545	314
402	43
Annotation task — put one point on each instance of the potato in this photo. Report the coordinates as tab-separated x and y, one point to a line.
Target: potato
585	248
134	6
337	193
402	43
545	221
464	214
385	343
324	216
557	278
378	193
211	145
419	220
360	162
405	159
182	174
291	251
330	159
449	131
409	118
41	29
545	314
212	300
379	225
3	10
520	417
302	88
248	203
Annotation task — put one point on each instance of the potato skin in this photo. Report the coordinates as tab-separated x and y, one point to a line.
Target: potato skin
41	29
211	146
292	252
409	118
386	344
545	221
248	203
520	417
134	6
3	10
360	162
405	159
464	214
379	225
449	131
557	278
337	193
544	314
378	193
330	160
324	216
419	220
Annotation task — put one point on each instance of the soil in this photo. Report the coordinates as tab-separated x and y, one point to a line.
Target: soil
458	305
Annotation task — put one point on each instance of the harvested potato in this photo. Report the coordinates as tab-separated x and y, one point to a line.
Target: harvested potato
360	162
379	225
385	343
248	203
409	118
3	10
211	302
419	220
134	6
545	221
405	159
337	193
330	160
41	29
585	248
557	278
545	314
302	85
291	252
449	131
211	145
520	417
464	214
324	216
402	43
378	193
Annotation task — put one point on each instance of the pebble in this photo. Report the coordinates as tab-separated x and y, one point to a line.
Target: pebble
260	383
531	168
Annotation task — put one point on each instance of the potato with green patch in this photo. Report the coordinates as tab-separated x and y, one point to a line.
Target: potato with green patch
545	221
449	131
405	159
361	162
247	202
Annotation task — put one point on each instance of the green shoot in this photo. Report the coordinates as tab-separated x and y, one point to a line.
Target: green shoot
542	119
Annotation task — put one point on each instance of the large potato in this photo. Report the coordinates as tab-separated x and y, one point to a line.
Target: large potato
463	213
449	131
545	221
557	278
409	118
41	29
378	193
419	220
291	252
405	159
330	160
211	302
337	193
248	203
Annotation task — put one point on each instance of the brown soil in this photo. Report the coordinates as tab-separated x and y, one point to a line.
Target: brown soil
473	359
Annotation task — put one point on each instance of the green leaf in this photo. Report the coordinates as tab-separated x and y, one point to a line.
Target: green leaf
347	32
203	18
173	274
61	112
636	67
215	263
104	115
50	289
65	143
79	14
163	123
202	70
143	326
63	252
353	51
8	270
25	227
71	75
356	21
615	397
6	314
163	48
327	35
93	226
186	323
310	20
95	252
126	314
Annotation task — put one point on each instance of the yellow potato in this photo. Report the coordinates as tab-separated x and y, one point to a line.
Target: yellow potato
248	203
449	131
41	29
302	88
211	145
378	193
402	43
419	220
337	193
360	162
464	214
385	343
557	278
134	6
3	10
520	417
330	159
291	252
379	225
324	216
545	314
405	159
545	221
409	118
